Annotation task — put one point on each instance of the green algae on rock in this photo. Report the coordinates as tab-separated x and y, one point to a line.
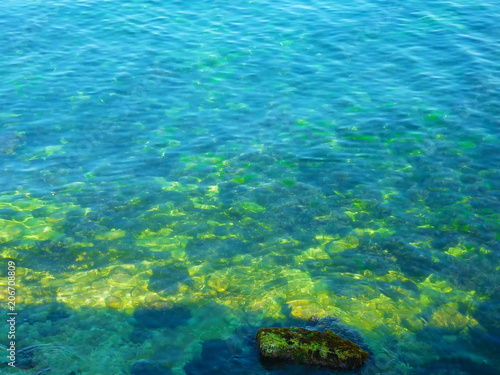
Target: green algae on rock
313	348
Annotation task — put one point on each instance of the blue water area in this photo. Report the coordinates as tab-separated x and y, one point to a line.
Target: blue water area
177	175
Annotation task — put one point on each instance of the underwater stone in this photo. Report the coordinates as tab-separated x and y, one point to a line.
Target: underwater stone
113	302
312	348
167	279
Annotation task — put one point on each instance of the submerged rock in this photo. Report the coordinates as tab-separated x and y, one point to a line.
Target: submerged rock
113	302
313	348
339	328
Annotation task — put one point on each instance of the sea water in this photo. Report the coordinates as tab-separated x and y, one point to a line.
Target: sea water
177	174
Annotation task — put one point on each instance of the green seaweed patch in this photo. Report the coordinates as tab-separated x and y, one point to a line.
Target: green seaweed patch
467	144
343	244
252	207
238	180
456	251
449	317
303	123
113	234
313	348
364	138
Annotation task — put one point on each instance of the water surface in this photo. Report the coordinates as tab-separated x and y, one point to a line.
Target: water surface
177	174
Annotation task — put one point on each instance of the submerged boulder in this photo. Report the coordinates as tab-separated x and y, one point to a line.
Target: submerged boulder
312	348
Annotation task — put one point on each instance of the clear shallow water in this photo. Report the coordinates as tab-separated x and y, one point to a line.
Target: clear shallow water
177	175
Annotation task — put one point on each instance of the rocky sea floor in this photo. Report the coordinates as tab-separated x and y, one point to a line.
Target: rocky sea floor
177	176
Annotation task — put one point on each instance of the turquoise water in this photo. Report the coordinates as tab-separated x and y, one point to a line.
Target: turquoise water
176	175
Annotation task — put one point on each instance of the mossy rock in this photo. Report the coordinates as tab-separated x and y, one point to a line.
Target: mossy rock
312	348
